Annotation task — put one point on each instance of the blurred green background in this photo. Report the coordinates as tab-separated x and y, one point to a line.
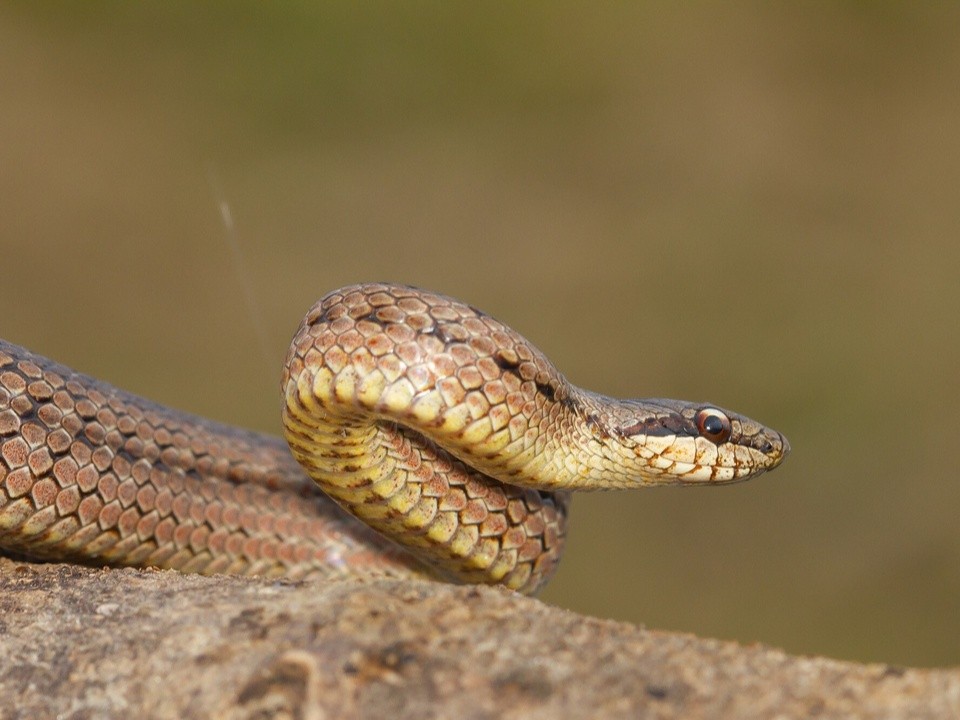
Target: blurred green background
756	204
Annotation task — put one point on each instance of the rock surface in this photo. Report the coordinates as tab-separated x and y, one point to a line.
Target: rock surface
88	643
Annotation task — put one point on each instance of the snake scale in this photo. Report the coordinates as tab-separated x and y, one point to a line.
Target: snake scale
448	434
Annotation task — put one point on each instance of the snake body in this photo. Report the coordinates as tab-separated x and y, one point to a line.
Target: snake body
448	434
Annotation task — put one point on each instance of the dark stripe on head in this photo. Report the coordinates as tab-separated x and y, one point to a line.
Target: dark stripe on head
661	425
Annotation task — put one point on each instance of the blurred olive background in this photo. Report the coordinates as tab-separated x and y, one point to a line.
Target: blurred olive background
753	204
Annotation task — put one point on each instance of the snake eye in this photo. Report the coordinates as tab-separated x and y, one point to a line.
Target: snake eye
713	425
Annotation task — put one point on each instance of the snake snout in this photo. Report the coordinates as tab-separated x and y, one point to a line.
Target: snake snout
784	446
774	445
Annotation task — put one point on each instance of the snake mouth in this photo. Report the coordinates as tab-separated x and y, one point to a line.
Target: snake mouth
700	461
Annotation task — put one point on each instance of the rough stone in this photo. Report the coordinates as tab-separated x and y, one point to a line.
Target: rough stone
80	643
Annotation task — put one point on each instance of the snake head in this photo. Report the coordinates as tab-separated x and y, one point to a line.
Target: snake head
676	442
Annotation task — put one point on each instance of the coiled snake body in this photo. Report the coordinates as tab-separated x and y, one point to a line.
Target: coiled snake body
446	432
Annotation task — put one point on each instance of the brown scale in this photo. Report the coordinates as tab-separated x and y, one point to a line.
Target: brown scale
92	474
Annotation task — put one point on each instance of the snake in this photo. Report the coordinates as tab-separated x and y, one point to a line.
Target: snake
422	439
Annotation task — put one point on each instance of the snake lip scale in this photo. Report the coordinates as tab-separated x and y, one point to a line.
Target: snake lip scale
450	436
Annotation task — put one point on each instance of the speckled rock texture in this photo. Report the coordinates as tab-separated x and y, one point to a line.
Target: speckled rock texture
80	643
